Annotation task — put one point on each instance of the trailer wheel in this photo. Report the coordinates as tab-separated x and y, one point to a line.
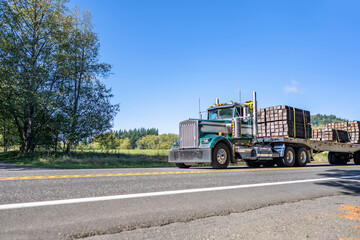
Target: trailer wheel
253	164
182	165
221	156
302	157
331	158
338	158
289	158
357	158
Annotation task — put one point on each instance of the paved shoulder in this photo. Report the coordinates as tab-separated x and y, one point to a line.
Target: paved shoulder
324	218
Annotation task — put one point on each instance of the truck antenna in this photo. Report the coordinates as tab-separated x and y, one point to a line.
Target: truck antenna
239	95
200	110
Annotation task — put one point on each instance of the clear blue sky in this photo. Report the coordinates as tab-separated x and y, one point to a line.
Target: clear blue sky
168	54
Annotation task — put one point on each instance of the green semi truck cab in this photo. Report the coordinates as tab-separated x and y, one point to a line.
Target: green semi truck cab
213	140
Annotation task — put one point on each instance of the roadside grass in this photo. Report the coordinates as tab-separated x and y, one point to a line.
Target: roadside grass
147	152
321	157
85	158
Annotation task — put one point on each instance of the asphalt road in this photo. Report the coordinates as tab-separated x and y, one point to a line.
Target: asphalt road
171	203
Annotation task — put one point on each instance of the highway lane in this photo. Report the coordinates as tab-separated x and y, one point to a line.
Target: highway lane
100	217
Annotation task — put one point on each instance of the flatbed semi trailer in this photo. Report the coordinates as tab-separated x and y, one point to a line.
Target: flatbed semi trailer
229	134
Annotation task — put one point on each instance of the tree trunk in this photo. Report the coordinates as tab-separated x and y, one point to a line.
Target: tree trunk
68	148
6	142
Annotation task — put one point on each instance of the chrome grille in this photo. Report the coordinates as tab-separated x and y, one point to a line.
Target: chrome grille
189	134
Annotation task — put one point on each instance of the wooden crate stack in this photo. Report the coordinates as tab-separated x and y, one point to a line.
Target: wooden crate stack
341	132
335	135
261	114
261	129
317	134
281	121
339	126
354	131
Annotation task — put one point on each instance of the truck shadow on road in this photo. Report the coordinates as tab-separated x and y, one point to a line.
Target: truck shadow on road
348	186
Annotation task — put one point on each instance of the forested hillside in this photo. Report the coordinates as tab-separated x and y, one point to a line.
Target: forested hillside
132	139
319	120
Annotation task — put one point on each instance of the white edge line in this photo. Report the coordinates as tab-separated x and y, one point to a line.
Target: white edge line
162	193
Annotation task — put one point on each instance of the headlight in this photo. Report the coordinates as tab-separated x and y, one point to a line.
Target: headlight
175	143
205	141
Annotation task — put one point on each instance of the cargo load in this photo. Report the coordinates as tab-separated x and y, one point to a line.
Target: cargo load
353	129
335	135
284	121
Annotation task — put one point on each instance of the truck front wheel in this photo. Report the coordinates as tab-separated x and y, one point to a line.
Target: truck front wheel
221	156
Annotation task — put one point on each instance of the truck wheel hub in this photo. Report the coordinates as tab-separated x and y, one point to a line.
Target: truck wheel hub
290	157
303	157
221	156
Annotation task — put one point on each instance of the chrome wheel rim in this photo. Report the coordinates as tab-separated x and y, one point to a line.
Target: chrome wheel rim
290	157
303	157
221	156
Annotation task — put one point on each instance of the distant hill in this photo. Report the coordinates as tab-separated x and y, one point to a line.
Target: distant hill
319	120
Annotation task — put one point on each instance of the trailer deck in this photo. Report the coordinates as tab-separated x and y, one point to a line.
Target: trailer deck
318	146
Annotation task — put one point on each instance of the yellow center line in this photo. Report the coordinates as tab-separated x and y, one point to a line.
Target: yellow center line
161	173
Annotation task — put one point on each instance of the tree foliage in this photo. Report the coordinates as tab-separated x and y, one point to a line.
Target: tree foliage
162	141
106	141
135	134
49	74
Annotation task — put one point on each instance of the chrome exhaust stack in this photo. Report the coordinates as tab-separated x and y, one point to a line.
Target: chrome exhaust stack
255	120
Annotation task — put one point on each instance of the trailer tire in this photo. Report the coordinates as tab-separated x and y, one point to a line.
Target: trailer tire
302	157
182	165
289	158
357	158
331	158
338	158
253	164
221	156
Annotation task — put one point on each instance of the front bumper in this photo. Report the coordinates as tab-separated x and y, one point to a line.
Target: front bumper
190	155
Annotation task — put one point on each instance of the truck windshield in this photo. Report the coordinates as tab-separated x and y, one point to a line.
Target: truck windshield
222	113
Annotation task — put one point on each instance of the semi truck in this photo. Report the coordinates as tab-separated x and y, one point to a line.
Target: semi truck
230	134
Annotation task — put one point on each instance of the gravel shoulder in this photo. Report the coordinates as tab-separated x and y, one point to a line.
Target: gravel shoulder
336	217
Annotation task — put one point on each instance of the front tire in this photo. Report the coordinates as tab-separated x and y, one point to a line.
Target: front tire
221	156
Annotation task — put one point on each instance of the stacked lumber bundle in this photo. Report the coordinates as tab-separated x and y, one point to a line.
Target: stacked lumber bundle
354	131
317	134
261	115
335	135
338	126
261	129
284	121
